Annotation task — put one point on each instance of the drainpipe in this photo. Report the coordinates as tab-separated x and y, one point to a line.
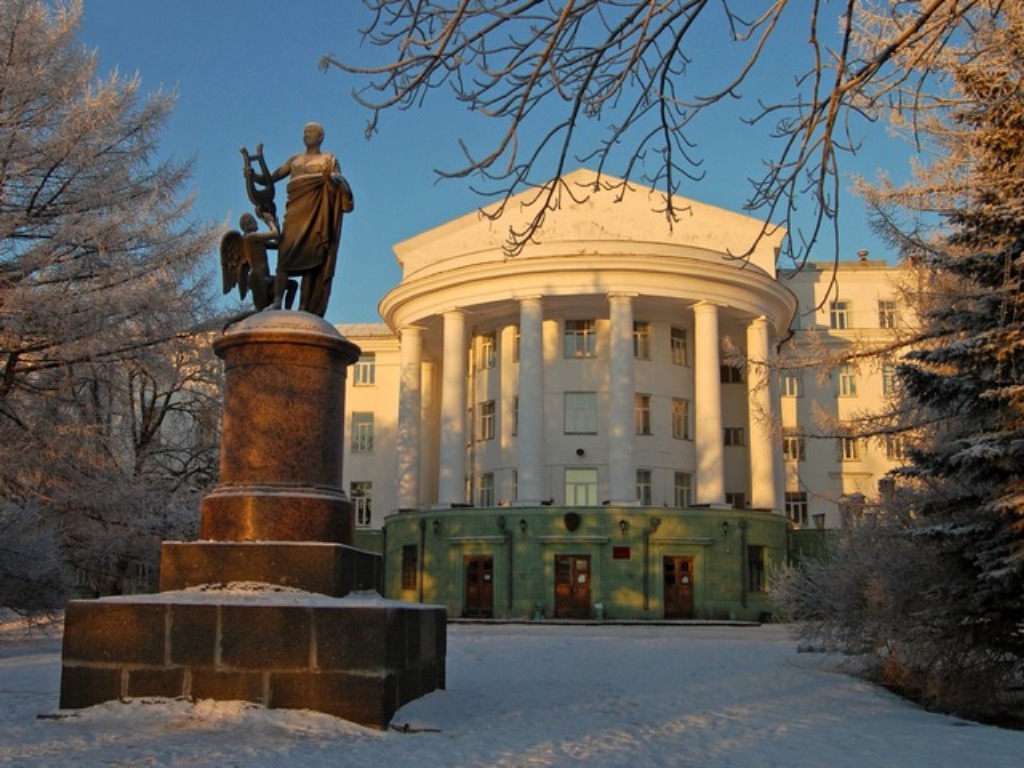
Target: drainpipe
423	555
744	568
648	531
509	547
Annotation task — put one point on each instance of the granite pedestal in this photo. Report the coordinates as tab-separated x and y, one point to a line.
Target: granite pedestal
273	605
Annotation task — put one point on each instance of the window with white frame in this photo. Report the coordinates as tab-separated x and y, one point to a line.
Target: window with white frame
486	346
791	385
736	499
580	417
644	487
580	487
840	315
846	381
580	339
889	380
733	436
793	446
888	314
485	420
680	346
730	374
683	486
796	507
362	432
642	340
486	490
361	493
364	372
680	418
849	449
895	448
642	414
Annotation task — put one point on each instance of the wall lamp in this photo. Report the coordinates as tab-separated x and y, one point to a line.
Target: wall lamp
725	529
623	526
437	527
522	524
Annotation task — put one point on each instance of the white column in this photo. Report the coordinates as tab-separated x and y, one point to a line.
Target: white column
621	394
530	435
708	405
762	417
407	438
452	470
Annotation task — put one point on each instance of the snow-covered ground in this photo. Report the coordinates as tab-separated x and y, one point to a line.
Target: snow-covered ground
527	695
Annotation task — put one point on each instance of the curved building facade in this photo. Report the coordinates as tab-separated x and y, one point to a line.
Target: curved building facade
590	427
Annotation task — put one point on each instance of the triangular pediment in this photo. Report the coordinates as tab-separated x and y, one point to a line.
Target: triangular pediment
594	218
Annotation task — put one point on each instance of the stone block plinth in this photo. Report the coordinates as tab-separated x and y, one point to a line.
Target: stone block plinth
329	569
360	657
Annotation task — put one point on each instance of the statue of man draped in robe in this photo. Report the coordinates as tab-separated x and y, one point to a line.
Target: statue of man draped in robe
317	199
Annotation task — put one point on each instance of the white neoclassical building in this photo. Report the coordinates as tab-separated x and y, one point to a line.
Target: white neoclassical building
616	363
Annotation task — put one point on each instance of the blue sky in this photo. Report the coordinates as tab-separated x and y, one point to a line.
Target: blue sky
245	72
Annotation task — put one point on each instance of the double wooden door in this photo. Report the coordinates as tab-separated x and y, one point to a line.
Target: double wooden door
678	573
572	587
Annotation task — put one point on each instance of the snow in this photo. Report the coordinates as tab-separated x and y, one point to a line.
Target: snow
525	695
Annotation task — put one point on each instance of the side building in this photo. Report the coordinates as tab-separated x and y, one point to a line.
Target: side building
603	424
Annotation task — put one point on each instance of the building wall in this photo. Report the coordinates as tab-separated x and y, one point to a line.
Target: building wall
461	417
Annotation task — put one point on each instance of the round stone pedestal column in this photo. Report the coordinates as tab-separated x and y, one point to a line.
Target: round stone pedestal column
282	432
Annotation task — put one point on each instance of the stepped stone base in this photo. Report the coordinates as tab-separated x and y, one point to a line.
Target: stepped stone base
330	569
359	658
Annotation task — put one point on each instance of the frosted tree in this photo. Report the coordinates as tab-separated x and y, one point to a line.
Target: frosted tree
543	70
956	637
102	295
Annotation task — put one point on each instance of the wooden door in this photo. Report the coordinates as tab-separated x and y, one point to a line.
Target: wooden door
479	587
678	587
572	587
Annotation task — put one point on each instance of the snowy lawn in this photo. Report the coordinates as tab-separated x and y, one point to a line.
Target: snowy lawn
527	695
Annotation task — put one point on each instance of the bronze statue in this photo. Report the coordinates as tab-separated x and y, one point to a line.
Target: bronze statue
307	245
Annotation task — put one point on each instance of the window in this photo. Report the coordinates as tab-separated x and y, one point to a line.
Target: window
793	447
642	340
409	564
364	372
580	487
644	491
362	432
642	414
846	381
796	507
733	436
849	449
755	568
888	314
515	415
736	499
895	448
889	380
730	374
680	346
361	493
486	344
680	418
485	421
486	496
792	385
683	489
840	315
580	413
580	339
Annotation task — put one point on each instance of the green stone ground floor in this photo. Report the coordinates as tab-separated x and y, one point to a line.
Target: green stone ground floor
613	563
